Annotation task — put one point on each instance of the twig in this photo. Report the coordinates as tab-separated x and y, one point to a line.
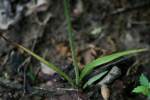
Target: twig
114	73
35	90
5	61
46	19
67	89
131	8
127	9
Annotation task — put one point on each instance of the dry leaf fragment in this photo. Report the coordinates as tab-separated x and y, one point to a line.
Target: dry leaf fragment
7	16
46	70
41	5
105	92
62	49
89	55
78	10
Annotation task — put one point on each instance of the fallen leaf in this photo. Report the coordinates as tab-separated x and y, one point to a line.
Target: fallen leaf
105	92
63	50
46	70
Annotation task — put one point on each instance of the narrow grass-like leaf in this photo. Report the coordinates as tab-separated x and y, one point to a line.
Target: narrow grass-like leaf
71	39
52	66
105	59
94	79
31	74
144	81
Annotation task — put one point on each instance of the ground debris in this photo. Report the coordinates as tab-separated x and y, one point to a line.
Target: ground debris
7	17
114	73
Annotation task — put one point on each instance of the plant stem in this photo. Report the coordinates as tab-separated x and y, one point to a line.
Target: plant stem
71	39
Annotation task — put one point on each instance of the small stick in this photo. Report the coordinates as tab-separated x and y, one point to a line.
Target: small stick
34	90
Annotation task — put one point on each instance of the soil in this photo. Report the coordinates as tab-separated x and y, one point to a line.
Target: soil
101	27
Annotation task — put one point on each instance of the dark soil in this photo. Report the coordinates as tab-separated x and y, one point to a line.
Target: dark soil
122	24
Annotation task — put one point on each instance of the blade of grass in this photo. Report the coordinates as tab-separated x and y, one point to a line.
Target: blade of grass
31	74
94	79
52	66
105	59
71	39
55	68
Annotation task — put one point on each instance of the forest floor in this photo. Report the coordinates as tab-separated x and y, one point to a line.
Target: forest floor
101	27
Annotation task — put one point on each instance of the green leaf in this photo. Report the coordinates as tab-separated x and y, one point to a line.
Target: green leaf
139	89
144	81
105	59
71	39
94	78
31	74
50	65
148	94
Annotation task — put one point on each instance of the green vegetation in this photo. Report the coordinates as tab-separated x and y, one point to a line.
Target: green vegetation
88	68
71	40
144	87
94	78
105	59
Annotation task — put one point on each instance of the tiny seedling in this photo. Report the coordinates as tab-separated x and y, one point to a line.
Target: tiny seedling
88	68
144	87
